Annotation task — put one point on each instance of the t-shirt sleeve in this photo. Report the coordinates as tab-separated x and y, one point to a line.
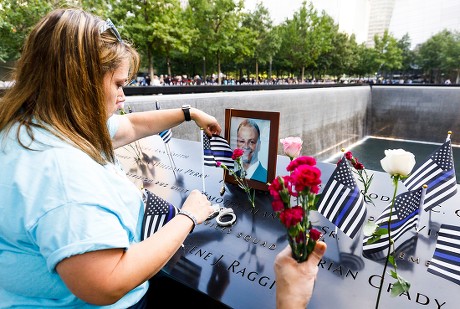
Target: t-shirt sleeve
59	233
113	124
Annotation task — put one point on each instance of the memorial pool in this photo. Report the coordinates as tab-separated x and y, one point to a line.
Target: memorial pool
371	150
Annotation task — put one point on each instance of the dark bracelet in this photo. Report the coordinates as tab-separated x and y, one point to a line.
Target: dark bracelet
190	216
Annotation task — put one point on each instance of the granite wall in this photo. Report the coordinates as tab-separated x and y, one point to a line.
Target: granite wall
328	119
325	118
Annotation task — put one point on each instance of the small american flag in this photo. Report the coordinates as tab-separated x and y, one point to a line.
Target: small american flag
446	258
341	202
439	174
404	217
157	213
216	149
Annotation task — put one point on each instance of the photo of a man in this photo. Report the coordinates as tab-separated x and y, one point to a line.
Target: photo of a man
248	139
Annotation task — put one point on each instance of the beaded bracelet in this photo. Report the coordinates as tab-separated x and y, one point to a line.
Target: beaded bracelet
190	216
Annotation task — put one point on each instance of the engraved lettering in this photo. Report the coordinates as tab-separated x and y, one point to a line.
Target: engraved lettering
242	271
263	281
418	299
252	276
439	305
234	264
217	260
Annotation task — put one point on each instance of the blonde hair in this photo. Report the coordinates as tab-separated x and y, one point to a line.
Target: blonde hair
59	81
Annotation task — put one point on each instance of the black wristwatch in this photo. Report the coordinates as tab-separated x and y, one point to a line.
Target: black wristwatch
186	110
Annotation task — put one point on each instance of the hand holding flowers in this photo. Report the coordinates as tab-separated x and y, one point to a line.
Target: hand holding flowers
294	196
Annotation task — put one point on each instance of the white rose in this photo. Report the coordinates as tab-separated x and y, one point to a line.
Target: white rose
398	162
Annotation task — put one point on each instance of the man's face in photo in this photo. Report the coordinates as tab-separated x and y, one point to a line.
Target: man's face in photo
248	140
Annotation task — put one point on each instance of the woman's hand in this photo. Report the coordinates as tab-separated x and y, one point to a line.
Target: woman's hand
205	121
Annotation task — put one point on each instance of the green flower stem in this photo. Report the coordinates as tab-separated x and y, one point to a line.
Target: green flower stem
242	183
395	183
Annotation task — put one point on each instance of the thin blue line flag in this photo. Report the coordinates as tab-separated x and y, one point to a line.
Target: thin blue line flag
157	213
341	202
404	217
446	258
438	173
216	149
166	135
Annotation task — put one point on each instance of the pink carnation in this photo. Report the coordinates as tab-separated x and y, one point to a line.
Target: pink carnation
292	146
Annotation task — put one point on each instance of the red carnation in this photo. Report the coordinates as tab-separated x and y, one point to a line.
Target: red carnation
305	160
291	216
237	153
349	155
315	234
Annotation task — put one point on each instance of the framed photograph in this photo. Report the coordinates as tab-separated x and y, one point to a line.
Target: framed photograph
256	133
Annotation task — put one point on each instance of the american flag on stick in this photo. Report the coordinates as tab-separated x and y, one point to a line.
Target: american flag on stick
438	173
216	149
341	202
157	213
404	217
446	258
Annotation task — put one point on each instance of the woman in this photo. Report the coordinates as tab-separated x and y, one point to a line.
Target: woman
71	219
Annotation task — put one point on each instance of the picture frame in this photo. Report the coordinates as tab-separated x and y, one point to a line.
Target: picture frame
265	152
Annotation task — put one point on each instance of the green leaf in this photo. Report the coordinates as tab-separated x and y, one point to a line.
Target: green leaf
381	231
391	259
373	239
401	286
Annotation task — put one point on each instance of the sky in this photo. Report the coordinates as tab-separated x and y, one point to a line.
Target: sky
419	18
279	9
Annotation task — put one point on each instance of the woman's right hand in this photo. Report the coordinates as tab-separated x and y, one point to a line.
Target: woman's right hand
198	205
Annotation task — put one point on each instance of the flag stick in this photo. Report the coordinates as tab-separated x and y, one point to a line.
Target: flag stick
449	133
420	209
168	150
171	160
202	160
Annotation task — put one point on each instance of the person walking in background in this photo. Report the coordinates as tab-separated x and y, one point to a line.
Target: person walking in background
248	139
71	220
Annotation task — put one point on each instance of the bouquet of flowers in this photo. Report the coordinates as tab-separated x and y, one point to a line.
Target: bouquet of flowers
294	196
239	174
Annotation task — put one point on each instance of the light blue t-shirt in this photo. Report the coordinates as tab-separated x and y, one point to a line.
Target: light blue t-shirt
57	202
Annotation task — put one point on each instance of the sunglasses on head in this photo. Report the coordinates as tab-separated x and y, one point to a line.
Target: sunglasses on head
109	25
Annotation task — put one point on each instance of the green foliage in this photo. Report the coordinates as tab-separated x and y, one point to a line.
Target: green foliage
16	21
183	38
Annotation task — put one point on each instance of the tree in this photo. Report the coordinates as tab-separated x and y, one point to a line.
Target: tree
407	63
16	21
306	37
217	22
266	41
157	27
430	57
388	54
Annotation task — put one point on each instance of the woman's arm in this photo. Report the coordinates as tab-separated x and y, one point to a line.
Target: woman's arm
103	277
135	126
